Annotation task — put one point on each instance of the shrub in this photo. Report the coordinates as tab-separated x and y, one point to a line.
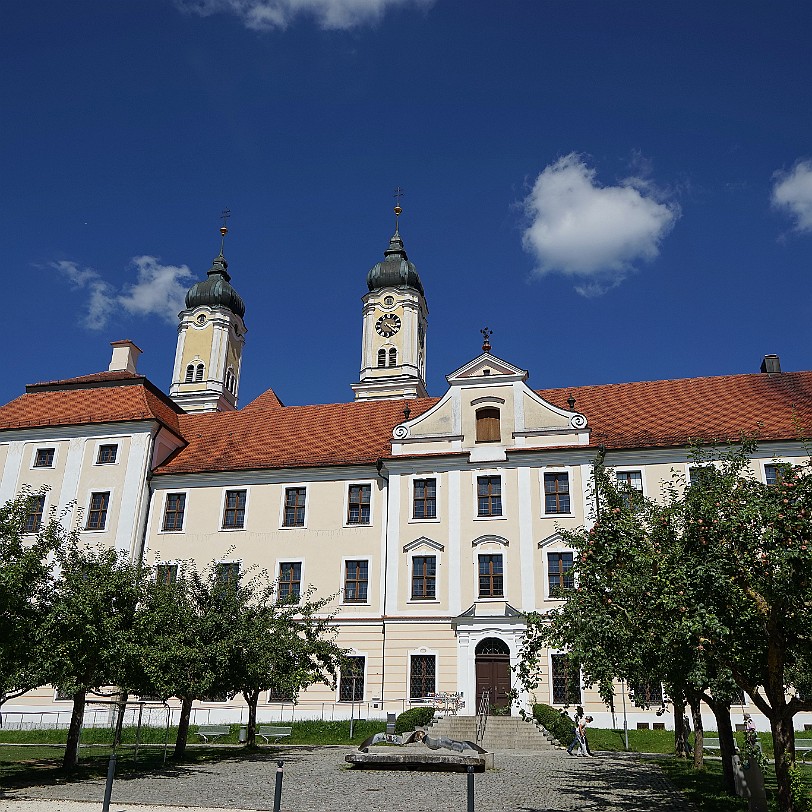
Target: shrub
558	723
413	718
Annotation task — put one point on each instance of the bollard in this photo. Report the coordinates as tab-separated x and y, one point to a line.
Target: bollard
108	788
470	789
277	793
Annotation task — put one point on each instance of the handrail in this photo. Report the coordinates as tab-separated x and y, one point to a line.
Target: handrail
482	713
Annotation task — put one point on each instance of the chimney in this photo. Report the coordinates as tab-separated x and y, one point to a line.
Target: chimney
125	356
771	363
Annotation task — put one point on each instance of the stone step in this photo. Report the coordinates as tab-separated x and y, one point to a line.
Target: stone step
501	733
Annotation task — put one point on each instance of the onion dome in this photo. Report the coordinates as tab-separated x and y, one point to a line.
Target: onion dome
215	290
395	270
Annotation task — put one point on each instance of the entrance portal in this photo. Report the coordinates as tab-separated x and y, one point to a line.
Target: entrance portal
493	671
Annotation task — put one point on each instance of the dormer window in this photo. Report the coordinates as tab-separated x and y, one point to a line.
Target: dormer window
487	425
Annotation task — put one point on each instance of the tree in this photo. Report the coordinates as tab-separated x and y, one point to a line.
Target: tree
185	634
284	645
87	636
25	580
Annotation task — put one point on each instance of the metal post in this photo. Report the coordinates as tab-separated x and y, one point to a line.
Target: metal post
470	789
108	787
138	731
277	793
625	722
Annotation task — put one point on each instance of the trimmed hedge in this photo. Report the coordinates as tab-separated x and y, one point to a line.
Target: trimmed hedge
557	722
413	718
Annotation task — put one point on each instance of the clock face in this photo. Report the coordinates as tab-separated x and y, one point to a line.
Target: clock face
388	325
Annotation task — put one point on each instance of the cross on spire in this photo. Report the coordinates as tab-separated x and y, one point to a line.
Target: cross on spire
398	195
225	214
486	335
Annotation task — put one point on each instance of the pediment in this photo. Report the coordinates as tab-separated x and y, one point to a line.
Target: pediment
423	541
490	537
555	540
487	367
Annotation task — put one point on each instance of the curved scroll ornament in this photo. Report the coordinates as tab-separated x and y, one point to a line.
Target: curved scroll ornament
400	432
578	421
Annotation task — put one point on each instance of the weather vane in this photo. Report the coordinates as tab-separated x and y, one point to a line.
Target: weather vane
398	195
225	214
486	334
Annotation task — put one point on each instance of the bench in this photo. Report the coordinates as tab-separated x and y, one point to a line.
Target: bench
711	744
805	749
207	732
273	732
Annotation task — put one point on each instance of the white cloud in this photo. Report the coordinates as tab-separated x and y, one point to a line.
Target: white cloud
792	192
591	232
265	15
158	291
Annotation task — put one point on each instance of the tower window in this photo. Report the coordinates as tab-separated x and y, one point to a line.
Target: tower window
487	425
199	373
382	357
190	373
393	357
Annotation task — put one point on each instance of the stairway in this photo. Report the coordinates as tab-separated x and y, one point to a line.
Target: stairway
501	732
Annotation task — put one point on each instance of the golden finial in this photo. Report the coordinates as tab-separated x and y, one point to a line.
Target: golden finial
225	214
398	195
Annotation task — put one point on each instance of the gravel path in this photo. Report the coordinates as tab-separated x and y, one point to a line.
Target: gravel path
318	780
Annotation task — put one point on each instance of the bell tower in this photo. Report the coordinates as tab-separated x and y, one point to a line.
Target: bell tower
393	350
211	336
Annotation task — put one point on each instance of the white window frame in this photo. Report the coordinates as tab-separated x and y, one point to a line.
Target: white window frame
500	472
354	653
423	552
371	485
43	447
690	465
185	511
436	478
557	469
218	561
774	462
285	488
550	653
222	515
166	563
97	450
108	522
290	560
631	469
554	548
491	548
44	513
343	582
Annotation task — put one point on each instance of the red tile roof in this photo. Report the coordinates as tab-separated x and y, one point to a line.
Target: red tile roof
104	397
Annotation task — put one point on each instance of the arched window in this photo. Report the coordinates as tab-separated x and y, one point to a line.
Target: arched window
199	373
487	425
393	357
382	357
190	373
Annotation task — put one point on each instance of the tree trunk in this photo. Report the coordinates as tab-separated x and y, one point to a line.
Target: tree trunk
122	708
699	732
784	750
71	757
183	727
680	734
252	698
727	743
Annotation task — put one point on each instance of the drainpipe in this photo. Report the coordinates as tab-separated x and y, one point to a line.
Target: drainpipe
379	466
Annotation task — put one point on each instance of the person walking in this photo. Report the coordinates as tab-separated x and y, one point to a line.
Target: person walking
579	739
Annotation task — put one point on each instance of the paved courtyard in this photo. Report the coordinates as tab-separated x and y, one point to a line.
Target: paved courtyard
317	780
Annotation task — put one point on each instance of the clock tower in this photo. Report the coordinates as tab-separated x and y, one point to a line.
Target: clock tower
393	350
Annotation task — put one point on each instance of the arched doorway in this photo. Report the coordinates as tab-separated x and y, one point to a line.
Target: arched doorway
493	671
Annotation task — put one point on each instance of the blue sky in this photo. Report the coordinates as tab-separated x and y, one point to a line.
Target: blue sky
620	190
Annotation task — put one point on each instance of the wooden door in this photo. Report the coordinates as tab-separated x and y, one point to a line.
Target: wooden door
493	675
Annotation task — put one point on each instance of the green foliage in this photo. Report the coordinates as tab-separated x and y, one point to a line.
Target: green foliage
558	723
800	789
413	718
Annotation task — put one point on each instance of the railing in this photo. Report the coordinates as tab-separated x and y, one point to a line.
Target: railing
482	713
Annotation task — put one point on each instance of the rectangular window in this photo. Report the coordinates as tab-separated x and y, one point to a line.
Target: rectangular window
630	486
166	573
424	502
697	474
559	573
422	680
557	493
351	684
228	574
234	512
356	581
294	507
174	508
487	425
290	580
566	680
645	694
489	495
107	454
424	577
491	576
773	474
44	458
33	517
97	515
280	693
358	504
